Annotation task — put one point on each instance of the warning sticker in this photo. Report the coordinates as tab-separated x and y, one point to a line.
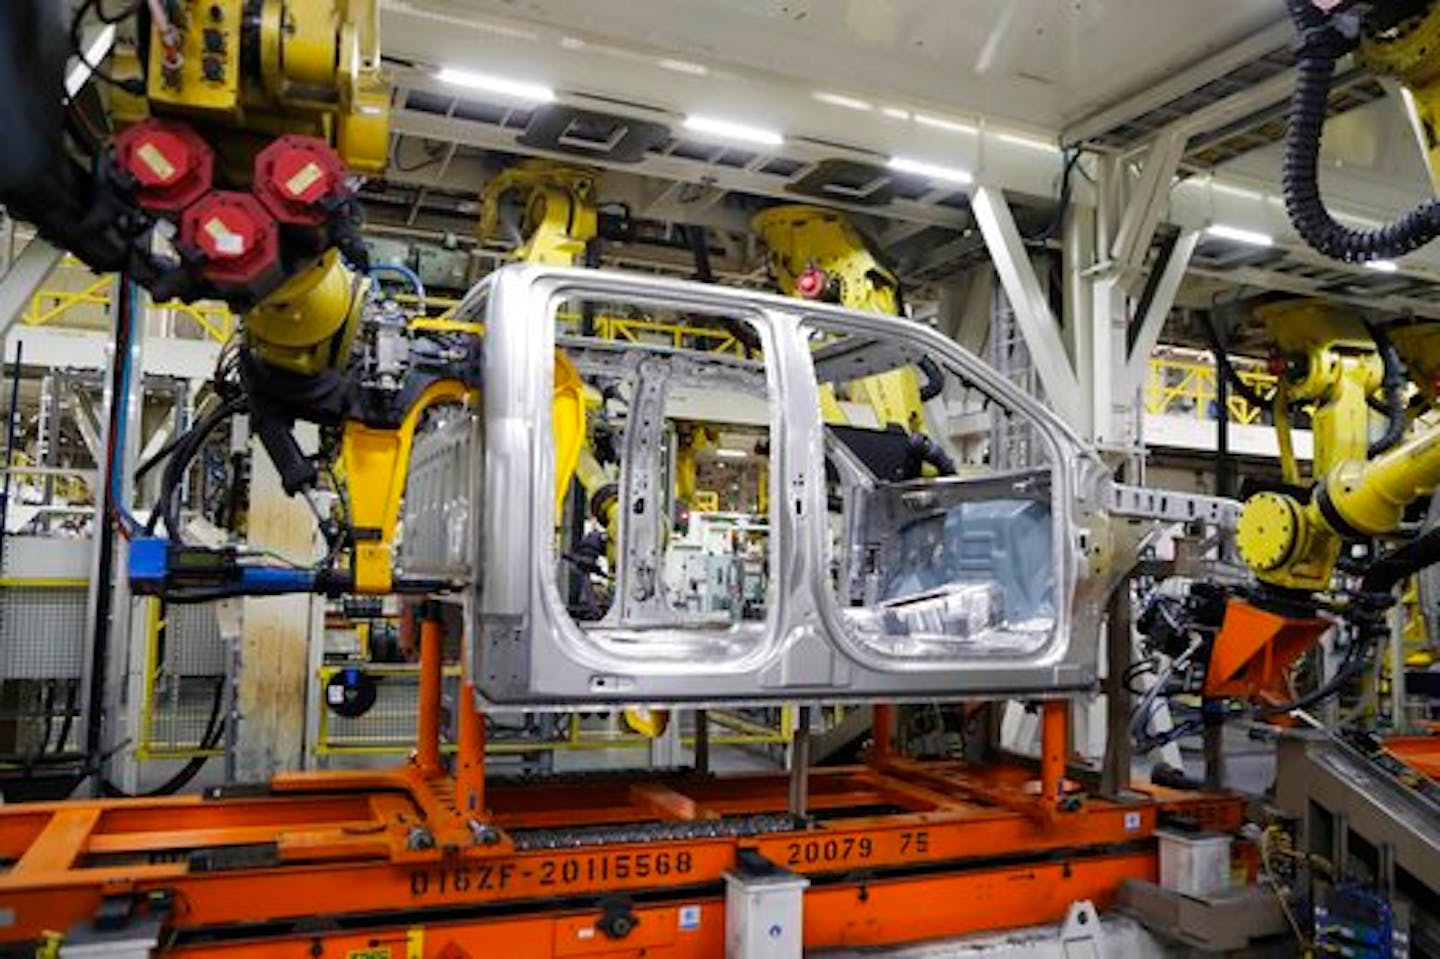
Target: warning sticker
303	179
159	165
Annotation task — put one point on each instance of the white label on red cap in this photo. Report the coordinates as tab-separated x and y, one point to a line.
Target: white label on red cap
225	241
158	163
303	179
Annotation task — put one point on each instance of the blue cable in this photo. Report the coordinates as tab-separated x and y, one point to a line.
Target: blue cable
409	275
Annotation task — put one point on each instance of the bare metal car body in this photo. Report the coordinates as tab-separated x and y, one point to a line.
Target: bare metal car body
1003	595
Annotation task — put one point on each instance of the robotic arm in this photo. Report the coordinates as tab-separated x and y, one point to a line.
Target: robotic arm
1298	540
238	126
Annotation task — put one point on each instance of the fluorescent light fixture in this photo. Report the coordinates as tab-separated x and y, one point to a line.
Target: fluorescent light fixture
841	100
934	171
517	89
684	66
726	453
940	123
730	130
1252	237
1234	190
895	113
1382	266
1020	140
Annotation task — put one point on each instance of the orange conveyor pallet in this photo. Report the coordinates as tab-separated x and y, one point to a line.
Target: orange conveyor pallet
332	861
424	863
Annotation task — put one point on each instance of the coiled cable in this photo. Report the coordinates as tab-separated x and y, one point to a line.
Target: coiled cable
1323	41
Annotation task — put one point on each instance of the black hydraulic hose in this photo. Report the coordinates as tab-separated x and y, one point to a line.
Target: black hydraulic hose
193	439
1383	575
923	449
1222	360
72	697
214	726
1323	40
1350	668
158	456
12	423
1388	570
1392	386
48	708
700	250
934	383
105	530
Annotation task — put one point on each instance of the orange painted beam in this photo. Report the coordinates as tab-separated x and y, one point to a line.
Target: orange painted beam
933	907
59	844
1054	749
858	915
427	740
882	732
665	801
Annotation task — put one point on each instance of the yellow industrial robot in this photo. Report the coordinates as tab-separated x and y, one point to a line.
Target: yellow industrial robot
817	254
227	175
1372	389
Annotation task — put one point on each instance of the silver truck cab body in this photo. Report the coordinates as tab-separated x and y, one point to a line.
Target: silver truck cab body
853	585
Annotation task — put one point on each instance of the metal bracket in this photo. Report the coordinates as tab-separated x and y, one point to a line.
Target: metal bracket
1138	502
639	591
1080	934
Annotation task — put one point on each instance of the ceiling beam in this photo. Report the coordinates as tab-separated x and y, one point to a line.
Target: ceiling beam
1153	96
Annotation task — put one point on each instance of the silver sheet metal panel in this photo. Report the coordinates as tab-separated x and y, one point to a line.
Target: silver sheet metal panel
864	587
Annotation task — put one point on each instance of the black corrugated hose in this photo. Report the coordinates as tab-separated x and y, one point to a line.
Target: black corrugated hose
1368	613
1322	41
1392	386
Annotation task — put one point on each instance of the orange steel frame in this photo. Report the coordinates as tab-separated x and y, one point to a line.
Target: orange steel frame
419	863
1420	753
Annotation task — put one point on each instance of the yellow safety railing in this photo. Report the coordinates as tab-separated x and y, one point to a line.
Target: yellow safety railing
638	330
147	746
51	305
1183	387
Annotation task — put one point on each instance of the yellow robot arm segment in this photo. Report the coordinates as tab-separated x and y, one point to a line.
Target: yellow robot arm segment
1335	365
374	462
308	325
818	254
270	68
559	218
1410	52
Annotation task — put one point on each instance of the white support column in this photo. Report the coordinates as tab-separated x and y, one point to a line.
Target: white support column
1107	344
1105	281
7	240
105	688
965	308
24	277
277	632
1142	212
1172	271
1032	309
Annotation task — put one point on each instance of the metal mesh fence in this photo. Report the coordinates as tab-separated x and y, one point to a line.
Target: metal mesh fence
185	663
389	725
42	631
